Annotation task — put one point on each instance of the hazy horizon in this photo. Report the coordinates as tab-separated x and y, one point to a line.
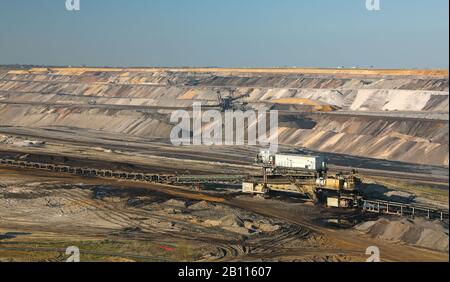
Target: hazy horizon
211	67
404	34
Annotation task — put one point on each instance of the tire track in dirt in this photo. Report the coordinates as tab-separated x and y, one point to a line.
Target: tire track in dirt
344	241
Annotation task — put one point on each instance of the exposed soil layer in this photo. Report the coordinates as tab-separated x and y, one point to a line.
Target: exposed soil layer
392	125
431	235
177	228
117	220
400	123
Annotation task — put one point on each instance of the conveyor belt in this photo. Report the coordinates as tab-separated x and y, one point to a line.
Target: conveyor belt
373	205
156	178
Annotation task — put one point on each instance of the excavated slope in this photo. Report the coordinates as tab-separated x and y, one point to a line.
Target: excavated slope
98	99
402	140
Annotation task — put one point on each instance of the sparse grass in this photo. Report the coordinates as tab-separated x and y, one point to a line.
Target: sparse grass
428	192
41	250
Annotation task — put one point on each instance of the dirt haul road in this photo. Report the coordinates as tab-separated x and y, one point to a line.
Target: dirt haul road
341	241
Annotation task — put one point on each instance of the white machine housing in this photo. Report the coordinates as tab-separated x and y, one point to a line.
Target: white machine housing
317	163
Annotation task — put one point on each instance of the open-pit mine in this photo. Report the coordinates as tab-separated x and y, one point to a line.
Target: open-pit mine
86	161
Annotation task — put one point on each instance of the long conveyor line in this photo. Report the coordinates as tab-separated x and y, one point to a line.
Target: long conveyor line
369	205
155	178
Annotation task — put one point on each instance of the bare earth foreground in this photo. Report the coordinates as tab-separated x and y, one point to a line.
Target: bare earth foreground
391	125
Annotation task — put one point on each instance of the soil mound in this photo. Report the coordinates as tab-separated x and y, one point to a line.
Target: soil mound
430	235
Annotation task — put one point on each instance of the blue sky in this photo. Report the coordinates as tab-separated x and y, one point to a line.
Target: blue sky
226	33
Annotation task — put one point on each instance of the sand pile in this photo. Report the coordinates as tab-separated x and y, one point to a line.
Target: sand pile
262	226
244	226
226	221
200	205
231	223
426	234
175	203
232	220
